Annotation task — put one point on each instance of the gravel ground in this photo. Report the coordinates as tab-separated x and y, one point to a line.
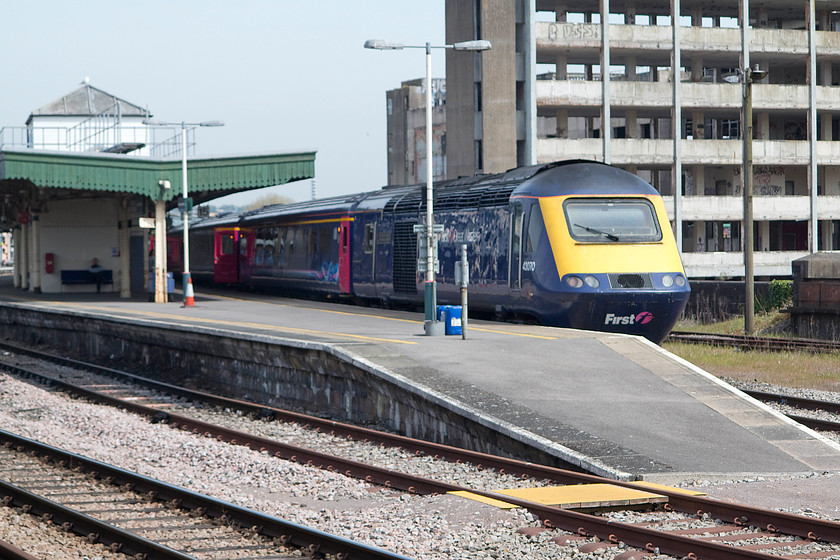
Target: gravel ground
416	526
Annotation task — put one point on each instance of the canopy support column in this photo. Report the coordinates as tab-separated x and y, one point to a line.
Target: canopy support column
160	251
125	250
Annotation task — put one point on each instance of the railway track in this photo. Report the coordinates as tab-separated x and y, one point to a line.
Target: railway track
755	342
10	552
146	518
801	403
707	528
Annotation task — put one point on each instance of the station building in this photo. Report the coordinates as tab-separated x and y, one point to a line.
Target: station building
89	173
539	95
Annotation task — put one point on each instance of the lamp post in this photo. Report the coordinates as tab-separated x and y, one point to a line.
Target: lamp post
431	325
749	75
186	278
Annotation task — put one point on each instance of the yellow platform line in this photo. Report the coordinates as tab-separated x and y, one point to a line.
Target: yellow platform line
322	310
263	326
471	327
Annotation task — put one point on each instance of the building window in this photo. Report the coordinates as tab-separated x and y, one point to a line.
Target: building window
477	96
479	155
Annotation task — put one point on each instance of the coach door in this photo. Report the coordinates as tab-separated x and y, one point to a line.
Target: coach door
225	265
515	272
344	257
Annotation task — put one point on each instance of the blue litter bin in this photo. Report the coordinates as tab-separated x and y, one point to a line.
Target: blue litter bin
451	317
170	284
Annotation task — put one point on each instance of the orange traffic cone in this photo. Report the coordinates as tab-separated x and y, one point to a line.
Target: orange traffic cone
189	297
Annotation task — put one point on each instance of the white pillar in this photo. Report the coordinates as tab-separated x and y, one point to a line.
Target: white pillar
160	251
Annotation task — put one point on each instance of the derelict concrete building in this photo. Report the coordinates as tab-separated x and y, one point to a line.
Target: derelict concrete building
539	95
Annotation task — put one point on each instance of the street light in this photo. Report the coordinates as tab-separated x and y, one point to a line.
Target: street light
431	326
749	76
186	278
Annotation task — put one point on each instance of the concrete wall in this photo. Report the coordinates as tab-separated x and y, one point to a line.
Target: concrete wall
460	77
307	377
717	301
498	89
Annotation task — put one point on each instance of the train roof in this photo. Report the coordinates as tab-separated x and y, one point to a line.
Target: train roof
332	205
479	191
490	190
582	177
222	220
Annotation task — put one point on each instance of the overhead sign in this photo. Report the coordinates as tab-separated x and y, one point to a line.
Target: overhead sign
147	223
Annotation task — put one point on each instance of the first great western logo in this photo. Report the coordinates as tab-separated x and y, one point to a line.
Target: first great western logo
641	318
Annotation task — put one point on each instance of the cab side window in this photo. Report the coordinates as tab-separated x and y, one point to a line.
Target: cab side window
536	226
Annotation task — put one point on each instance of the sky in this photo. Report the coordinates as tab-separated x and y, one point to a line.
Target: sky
283	75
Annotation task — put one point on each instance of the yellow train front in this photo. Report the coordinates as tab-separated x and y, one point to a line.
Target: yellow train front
591	248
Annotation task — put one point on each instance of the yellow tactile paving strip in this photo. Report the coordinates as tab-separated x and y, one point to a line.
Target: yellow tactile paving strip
575	496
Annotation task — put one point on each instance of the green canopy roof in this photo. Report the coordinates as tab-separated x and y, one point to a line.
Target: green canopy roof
207	178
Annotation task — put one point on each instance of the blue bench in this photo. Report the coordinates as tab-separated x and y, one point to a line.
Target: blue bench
86	277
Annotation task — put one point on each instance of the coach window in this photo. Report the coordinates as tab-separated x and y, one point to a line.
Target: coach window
313	241
324	235
290	241
367	244
280	243
227	244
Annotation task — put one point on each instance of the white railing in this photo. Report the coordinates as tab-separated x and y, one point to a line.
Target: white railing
158	141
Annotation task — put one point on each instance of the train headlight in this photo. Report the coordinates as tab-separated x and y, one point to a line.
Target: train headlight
591	281
667	280
680	280
574	281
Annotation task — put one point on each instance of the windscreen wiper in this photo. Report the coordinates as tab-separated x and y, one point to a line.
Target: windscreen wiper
609	236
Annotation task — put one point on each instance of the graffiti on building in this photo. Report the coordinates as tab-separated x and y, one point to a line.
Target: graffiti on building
438	151
573	31
768	180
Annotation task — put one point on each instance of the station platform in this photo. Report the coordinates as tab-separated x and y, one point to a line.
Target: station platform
617	405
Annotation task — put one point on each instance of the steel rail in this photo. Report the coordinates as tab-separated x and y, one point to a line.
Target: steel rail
292	534
10	552
94	530
803	403
782	522
377	475
580	523
755	342
437	450
798	402
816	423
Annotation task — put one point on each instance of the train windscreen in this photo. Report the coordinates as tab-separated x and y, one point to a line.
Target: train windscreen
612	220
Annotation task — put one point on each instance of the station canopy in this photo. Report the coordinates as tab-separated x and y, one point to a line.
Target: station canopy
28	176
